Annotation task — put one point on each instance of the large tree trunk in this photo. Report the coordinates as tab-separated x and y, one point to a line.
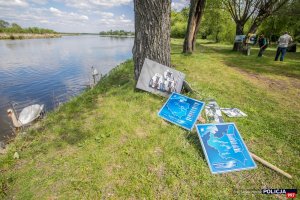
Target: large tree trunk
254	27
237	46
263	13
152	33
196	12
217	37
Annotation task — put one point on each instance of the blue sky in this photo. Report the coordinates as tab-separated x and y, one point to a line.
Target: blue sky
74	15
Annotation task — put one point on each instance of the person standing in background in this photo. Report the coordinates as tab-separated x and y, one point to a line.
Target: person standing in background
262	42
283	43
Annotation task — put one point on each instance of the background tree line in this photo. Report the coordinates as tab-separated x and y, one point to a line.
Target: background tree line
218	25
117	32
6	27
220	20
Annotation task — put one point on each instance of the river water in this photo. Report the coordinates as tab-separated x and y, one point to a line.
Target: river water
51	71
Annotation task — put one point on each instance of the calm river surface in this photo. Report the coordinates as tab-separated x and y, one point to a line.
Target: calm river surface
49	71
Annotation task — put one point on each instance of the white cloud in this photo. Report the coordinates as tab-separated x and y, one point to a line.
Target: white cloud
106	14
54	16
119	21
39	2
78	4
92	4
110	3
102	14
13	3
179	5
55	11
44	21
122	17
68	16
28	15
81	17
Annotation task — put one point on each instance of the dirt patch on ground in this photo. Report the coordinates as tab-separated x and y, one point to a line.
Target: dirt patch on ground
123	138
271	83
158	170
158	151
295	83
141	133
112	168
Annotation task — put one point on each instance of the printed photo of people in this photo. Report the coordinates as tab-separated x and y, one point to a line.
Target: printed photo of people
233	112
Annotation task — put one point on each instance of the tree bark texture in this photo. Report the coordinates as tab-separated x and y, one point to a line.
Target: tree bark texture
237	46
241	11
195	16
255	26
152	33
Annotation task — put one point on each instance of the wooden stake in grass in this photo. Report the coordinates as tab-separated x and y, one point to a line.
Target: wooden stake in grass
262	161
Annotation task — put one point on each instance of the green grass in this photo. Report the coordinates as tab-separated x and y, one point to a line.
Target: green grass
109	142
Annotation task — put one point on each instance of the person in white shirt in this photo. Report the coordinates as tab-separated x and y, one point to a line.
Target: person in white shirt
283	43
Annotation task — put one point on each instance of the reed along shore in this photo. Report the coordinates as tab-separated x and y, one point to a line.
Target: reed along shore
20	36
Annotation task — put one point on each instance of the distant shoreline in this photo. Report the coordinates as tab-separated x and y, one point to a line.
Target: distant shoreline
117	36
21	36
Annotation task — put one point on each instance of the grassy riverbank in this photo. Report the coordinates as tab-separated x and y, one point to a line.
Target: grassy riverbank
16	36
109	142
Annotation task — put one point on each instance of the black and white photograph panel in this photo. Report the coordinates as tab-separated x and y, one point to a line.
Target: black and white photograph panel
159	79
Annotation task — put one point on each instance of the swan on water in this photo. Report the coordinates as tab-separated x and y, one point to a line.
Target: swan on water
27	115
94	71
95	74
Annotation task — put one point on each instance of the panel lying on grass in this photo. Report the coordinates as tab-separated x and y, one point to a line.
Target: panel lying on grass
233	112
181	110
213	112
159	79
224	148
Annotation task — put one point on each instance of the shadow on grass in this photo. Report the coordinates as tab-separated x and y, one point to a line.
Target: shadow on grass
209	42
73	134
193	140
264	65
178	49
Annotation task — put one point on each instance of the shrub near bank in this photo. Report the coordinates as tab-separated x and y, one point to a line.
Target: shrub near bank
15	36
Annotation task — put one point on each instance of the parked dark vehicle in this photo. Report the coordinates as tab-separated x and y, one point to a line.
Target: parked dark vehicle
292	47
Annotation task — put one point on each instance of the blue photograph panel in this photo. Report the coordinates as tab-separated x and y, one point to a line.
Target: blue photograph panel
181	110
224	148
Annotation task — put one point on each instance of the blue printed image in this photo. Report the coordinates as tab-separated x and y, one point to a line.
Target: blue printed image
181	110
224	148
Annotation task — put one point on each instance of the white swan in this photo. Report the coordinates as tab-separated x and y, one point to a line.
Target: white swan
94	72
27	115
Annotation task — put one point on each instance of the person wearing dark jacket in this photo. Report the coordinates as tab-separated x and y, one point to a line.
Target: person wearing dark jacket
262	42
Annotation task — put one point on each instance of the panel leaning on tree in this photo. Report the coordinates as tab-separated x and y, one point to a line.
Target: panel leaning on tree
159	79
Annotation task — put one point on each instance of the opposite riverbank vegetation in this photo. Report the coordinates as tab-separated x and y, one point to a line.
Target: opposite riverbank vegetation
120	33
15	31
109	142
118	36
20	36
